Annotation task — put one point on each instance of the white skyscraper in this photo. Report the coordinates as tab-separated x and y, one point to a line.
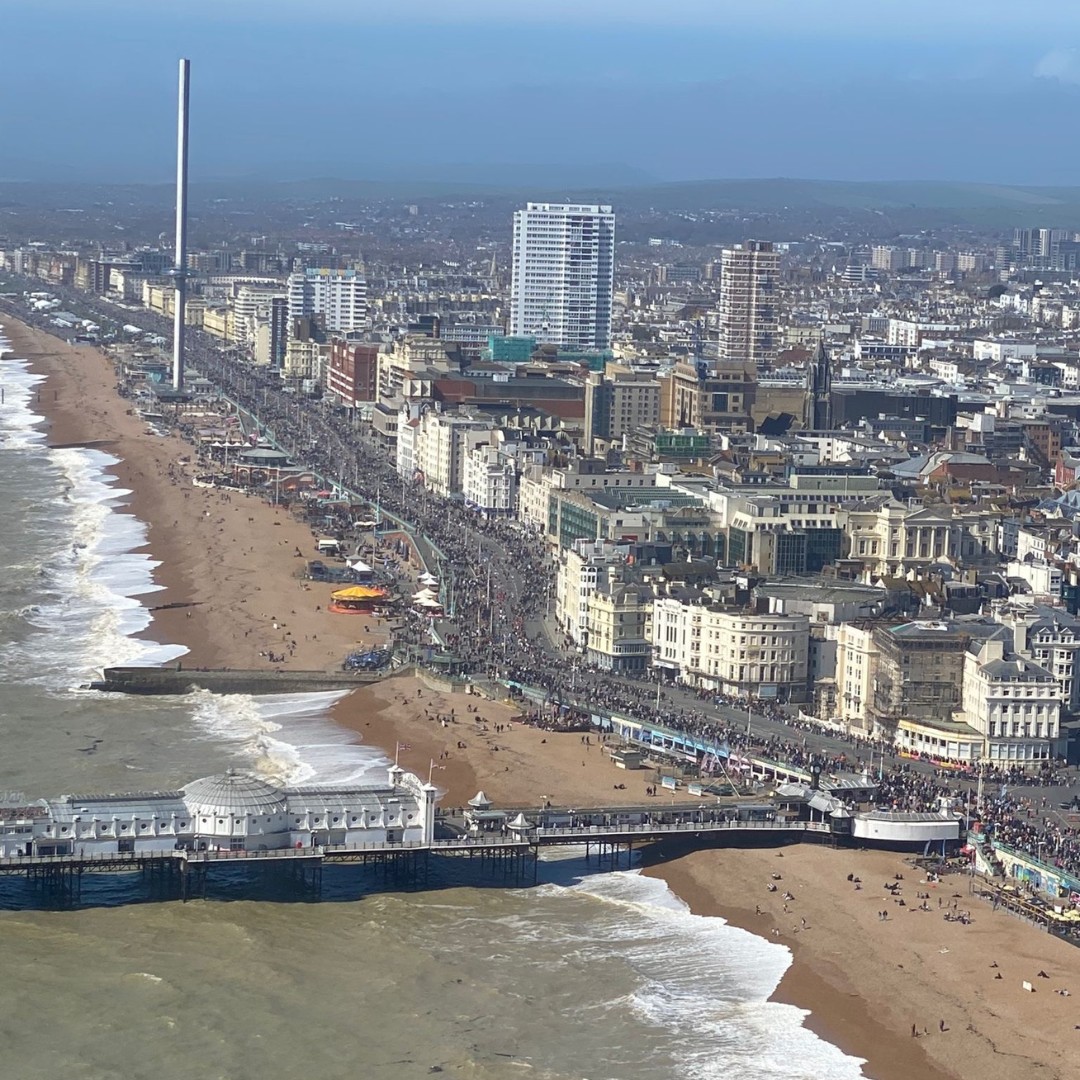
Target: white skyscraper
340	296
564	260
748	294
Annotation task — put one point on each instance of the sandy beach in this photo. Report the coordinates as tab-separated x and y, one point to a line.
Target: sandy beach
228	564
868	981
476	744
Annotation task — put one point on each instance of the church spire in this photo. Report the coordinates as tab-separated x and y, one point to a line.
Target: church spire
817	403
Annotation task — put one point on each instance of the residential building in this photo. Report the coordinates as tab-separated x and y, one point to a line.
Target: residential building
889	259
271	335
749	319
563	273
1051	637
305	352
1013	703
442	444
408	422
337	297
856	668
618	625
578	572
254	303
219	322
743	653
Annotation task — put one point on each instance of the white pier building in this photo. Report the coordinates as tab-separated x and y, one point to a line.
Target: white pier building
235	811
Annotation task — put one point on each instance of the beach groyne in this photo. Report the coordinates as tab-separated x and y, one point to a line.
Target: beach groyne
181	680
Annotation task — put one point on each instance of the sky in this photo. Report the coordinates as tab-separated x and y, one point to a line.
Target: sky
617	90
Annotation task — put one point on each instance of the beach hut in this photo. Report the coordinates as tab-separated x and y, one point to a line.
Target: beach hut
357	599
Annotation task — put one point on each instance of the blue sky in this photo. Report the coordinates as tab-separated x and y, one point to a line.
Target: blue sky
684	89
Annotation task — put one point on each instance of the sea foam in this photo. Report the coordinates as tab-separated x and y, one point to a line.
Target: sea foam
92	572
704	984
290	738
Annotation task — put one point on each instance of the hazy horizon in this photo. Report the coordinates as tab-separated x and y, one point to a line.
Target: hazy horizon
589	94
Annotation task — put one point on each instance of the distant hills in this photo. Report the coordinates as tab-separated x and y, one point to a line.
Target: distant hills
909	202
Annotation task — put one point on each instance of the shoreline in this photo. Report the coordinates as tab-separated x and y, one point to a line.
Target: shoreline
228	563
230	593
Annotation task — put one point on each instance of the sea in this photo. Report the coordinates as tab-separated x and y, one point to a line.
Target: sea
583	977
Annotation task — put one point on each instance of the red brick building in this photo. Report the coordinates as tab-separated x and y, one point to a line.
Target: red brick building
352	372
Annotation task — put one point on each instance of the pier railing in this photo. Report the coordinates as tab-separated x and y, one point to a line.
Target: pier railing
599	832
120	862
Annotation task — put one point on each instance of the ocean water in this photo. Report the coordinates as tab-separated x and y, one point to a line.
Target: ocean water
605	977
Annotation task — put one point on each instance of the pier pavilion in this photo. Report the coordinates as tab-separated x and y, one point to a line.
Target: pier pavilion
231	812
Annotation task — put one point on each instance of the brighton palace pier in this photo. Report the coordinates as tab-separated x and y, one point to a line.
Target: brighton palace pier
224	826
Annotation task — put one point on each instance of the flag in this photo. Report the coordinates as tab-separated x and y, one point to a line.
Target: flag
404	746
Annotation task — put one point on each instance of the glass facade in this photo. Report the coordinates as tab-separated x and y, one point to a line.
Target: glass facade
678	446
576	523
790	556
822	548
738	542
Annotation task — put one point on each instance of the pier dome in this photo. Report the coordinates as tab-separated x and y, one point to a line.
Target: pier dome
233	793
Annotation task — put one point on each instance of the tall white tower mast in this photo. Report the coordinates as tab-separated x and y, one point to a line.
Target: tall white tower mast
179	271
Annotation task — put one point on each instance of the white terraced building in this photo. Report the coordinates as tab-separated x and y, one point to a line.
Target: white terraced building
232	812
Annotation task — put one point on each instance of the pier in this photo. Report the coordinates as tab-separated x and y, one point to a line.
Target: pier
57	880
240	832
180	680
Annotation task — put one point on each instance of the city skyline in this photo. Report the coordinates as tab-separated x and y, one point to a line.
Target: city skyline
706	91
